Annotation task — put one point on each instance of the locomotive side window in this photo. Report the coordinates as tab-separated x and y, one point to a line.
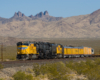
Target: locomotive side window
92	50
19	43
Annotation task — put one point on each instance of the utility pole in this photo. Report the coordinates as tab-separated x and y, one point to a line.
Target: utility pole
1	51
2	41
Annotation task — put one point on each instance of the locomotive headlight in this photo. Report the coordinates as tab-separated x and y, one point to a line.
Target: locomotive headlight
18	52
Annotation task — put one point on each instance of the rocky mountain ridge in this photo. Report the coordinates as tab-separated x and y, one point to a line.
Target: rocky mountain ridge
82	26
18	16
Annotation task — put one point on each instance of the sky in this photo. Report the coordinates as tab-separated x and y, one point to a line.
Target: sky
56	8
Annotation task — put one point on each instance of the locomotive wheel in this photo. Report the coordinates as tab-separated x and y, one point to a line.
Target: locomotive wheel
41	56
30	57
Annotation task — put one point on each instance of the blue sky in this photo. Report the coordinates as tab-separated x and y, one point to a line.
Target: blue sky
57	8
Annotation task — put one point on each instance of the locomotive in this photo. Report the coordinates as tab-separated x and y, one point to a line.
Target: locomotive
46	50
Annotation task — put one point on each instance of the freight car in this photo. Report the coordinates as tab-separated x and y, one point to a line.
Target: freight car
35	50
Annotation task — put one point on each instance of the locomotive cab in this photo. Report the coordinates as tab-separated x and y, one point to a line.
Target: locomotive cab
21	49
26	50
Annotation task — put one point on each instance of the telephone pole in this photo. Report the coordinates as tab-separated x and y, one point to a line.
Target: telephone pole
2	41
1	51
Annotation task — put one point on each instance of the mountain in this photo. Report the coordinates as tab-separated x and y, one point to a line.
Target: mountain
95	16
44	17
21	17
3	20
42	26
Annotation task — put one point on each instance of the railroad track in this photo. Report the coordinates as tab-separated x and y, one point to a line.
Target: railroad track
18	63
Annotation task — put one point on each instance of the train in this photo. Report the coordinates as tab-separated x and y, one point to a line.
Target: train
45	50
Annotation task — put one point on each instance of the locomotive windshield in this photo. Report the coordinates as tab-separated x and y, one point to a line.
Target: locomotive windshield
20	43
25	44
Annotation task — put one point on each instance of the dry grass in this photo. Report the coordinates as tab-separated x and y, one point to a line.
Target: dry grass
9	53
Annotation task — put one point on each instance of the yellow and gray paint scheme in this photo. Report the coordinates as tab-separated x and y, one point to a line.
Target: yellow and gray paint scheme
24	49
77	51
30	51
27	50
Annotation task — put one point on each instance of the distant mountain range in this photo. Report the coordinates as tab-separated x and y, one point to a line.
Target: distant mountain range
21	17
42	25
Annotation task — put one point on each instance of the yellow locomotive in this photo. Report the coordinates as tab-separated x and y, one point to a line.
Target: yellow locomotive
34	50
